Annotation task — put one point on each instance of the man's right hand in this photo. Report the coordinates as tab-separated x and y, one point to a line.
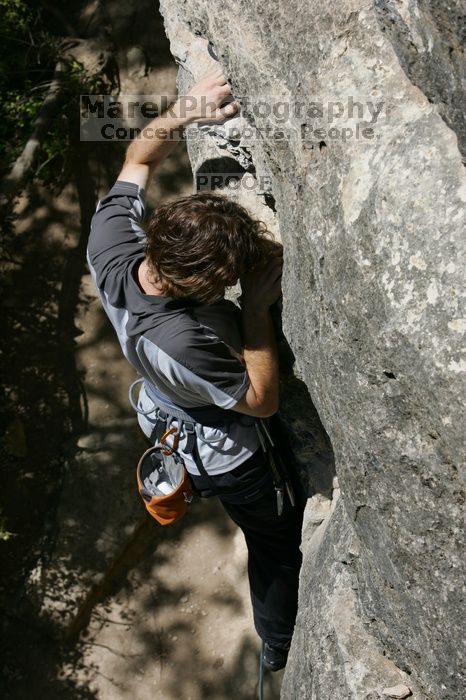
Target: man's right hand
203	104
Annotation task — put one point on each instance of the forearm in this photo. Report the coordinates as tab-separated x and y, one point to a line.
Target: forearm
261	358
160	137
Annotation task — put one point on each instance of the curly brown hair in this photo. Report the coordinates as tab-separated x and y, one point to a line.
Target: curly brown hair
202	243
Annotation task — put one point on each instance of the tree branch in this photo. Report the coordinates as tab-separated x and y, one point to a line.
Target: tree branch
14	180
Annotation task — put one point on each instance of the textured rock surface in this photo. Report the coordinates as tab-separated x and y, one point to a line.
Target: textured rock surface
373	230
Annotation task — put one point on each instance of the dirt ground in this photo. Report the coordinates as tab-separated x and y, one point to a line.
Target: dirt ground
101	602
180	624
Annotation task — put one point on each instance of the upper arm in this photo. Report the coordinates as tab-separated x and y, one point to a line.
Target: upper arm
116	235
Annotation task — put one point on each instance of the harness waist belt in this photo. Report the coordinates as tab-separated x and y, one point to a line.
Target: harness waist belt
192	419
210	416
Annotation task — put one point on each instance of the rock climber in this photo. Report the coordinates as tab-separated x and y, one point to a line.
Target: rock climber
162	284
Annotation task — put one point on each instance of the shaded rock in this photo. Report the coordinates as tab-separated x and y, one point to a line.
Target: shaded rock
136	61
429	40
94	55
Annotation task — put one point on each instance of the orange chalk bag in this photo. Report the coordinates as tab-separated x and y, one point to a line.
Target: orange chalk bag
163	481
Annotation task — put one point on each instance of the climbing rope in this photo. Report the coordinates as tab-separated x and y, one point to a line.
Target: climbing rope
261	672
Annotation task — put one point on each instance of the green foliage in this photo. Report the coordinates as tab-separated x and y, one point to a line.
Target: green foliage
26	60
53	161
4	534
28	56
18	113
14	16
82	82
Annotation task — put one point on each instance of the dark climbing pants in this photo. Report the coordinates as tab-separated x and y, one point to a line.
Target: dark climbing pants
274	557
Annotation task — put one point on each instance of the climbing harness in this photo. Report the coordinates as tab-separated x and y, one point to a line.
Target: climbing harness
191	422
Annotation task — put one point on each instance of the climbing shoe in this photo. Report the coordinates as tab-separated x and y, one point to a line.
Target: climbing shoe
274	658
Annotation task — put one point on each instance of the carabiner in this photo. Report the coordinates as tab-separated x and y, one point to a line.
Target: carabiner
176	438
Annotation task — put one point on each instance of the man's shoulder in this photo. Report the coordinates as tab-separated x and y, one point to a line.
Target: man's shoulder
194	334
176	329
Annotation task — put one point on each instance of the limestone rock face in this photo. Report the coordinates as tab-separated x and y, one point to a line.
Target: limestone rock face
367	191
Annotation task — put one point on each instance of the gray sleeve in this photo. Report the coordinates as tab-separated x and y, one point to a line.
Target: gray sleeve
116	235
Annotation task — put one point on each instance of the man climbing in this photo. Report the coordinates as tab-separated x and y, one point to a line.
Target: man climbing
163	290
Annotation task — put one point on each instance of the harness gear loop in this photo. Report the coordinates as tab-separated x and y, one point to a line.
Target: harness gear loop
131	400
199	428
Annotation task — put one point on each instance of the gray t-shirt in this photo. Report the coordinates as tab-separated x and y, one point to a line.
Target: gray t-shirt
191	353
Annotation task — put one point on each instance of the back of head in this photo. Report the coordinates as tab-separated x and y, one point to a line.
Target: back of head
199	244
